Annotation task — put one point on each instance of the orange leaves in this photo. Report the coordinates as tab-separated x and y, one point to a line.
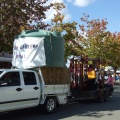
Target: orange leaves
93	27
57	18
58	6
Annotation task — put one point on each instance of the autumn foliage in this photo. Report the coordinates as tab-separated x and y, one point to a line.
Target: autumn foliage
16	15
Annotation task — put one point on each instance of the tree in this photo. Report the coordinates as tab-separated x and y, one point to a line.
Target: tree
100	43
94	32
112	50
68	29
94	40
16	15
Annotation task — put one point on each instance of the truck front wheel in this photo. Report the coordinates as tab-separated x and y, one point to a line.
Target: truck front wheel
50	105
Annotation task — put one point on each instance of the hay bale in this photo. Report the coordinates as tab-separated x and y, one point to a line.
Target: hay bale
56	75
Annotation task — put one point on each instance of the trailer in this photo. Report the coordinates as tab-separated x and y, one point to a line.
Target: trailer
79	84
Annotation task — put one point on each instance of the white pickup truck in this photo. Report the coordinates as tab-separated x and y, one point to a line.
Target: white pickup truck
21	88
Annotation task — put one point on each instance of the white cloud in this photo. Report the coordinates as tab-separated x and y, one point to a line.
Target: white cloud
81	3
50	13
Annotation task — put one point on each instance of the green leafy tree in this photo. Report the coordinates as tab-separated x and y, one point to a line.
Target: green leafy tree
100	43
112	50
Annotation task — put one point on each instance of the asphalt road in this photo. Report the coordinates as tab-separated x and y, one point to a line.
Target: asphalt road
85	110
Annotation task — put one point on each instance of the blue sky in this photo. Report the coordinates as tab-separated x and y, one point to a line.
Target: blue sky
96	9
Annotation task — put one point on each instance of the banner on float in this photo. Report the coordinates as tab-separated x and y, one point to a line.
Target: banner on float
28	52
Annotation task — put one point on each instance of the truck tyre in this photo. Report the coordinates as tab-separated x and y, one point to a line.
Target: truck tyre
107	95
101	97
50	105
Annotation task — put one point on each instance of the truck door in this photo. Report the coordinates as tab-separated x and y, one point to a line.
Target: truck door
11	92
31	89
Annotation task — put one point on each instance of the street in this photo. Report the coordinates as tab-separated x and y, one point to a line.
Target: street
87	110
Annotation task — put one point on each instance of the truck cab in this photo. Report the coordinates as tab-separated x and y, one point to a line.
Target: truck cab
18	89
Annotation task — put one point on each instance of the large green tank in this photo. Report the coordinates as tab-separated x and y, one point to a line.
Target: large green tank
53	44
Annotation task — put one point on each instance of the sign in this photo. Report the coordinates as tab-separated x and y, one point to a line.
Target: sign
28	52
5	57
6	54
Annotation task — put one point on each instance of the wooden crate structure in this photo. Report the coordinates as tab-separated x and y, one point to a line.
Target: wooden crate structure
56	75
